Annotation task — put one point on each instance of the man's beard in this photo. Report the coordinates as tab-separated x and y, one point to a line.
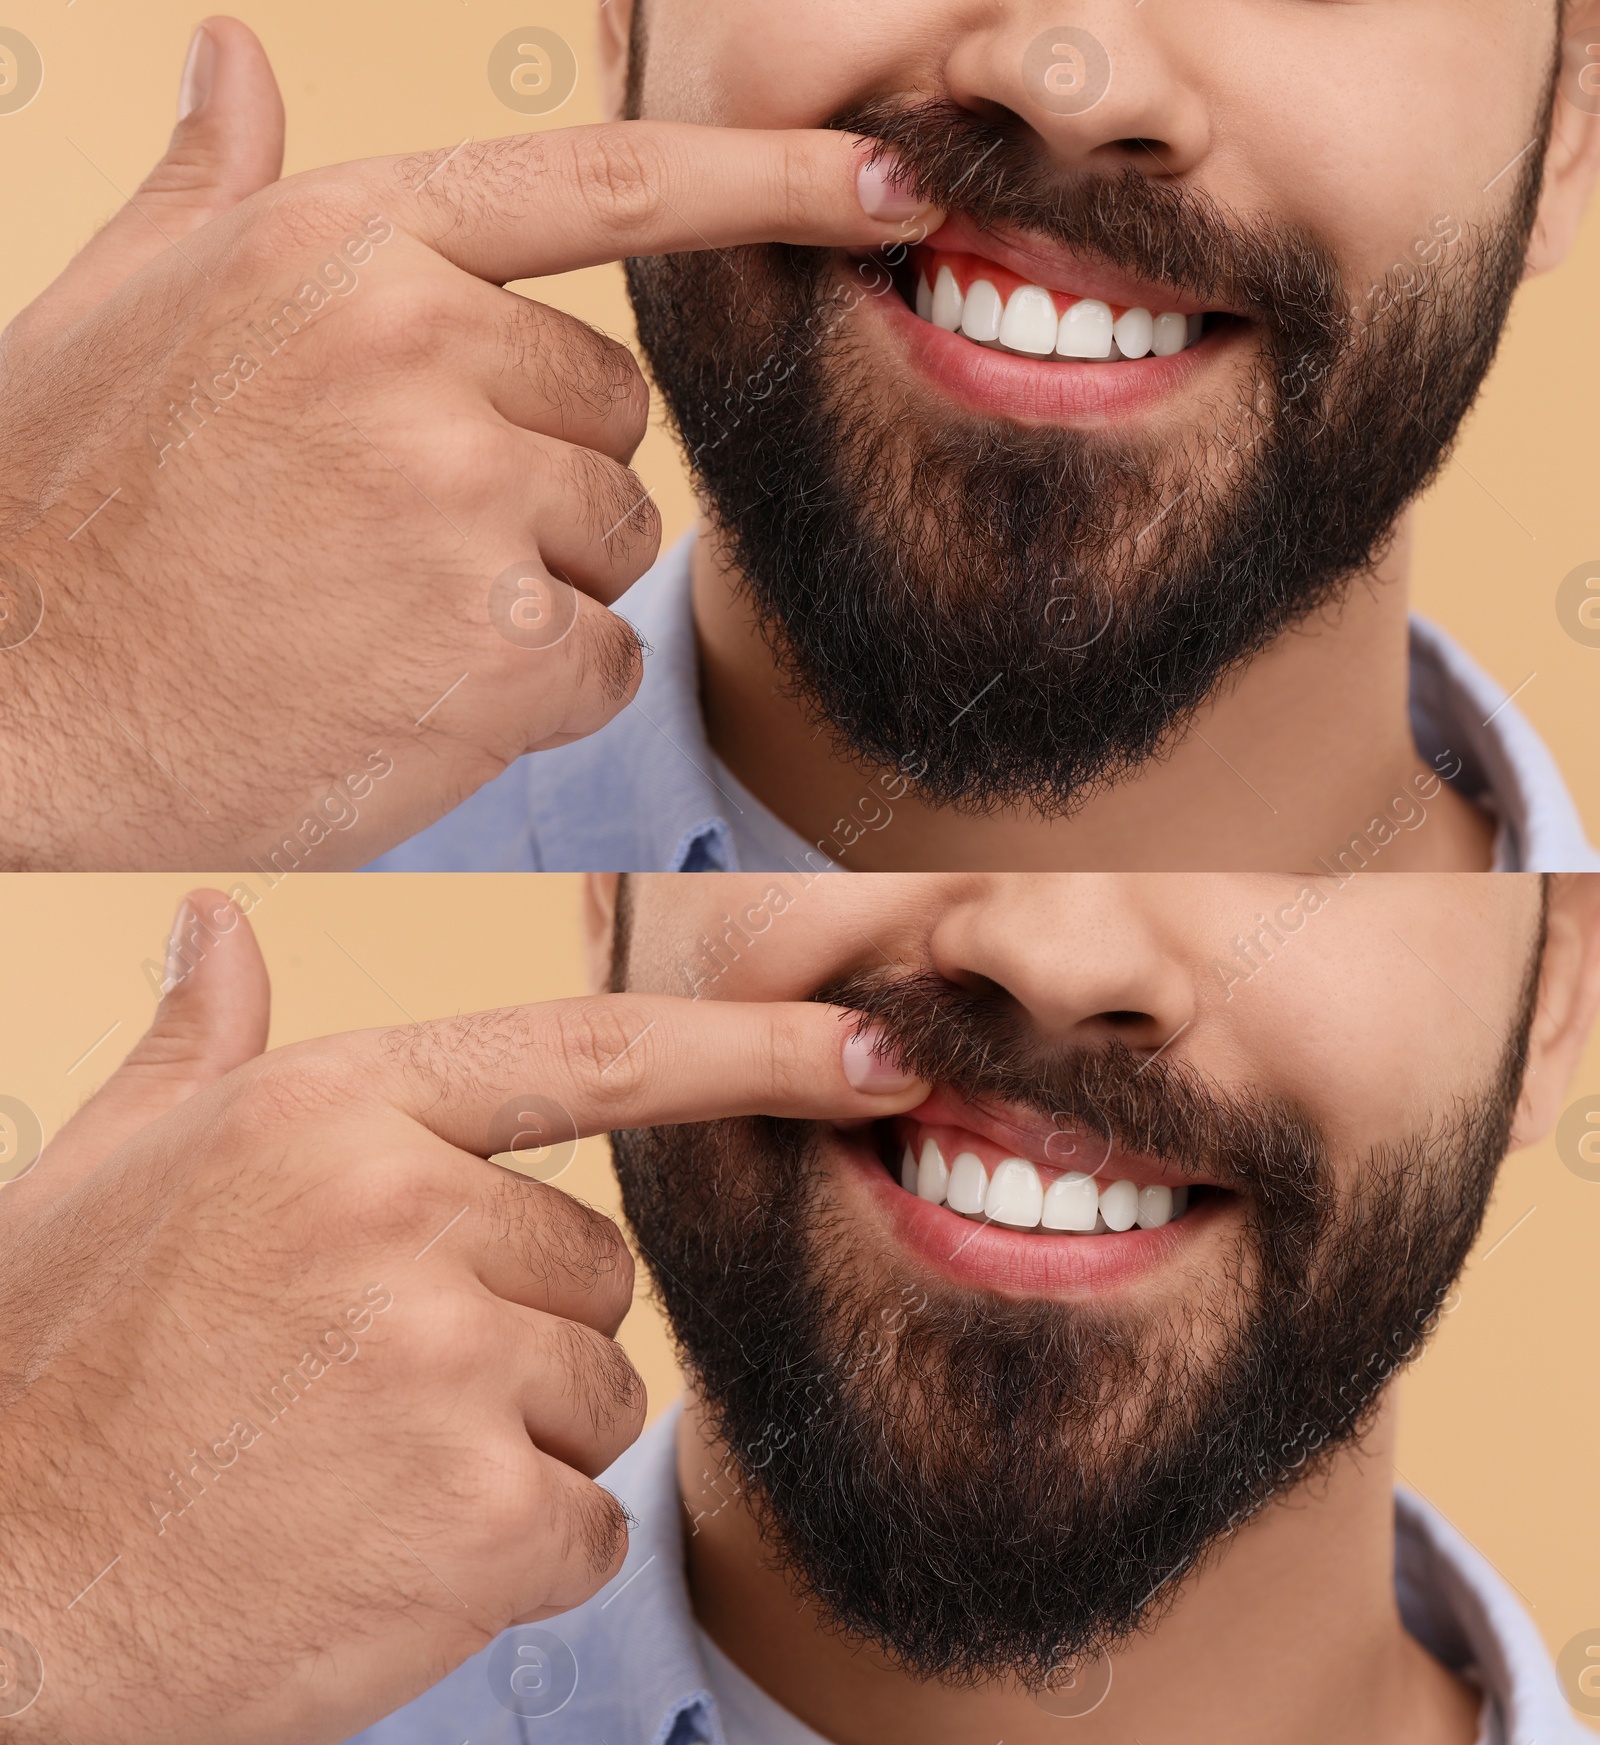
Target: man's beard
981	1486
1025	616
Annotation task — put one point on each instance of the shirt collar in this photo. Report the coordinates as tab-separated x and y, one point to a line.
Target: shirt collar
1463	721
1458	1606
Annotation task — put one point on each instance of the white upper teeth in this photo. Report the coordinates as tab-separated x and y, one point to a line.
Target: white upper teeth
1155	1206
981	311
947	300
1171	335
933	1175
1119	1205
1016	1197
969	1184
1073	1203
1086	330
1027	323
1135	333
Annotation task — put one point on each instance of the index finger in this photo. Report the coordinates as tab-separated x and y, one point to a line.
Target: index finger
551	202
634	1060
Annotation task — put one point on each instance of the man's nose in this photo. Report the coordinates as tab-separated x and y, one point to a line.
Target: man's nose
1087	957
1115	86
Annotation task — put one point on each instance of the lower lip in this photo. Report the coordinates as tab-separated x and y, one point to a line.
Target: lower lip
1023	1263
1039	391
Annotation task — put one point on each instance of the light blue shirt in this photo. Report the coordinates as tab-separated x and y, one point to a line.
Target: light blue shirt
648	794
628	1667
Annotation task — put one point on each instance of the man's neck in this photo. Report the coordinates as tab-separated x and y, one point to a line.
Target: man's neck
1307	750
1289	1631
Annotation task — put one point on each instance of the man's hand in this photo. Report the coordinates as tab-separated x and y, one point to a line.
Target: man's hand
301	1399
307	526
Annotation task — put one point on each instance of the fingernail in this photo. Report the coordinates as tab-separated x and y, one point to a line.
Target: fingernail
868	1067
885	191
178	966
197	71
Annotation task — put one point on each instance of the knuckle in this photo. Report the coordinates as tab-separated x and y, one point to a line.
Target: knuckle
466	461
610	660
603	376
403	320
788	1060
300	217
619	178
617	500
610	1388
606	1046
631	402
450	1324
286	1087
597	1530
527	336
797	189
585	1527
384	1201
562	1235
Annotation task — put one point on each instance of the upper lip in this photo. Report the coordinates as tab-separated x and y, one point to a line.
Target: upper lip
1069	271
1025	1133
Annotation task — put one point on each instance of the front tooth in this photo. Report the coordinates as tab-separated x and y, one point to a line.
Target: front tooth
1171	335
1135	332
980	314
947	301
969	1183
1072	1203
933	1173
1085	330
1030	323
1015	1196
924	297
1155	1207
1119	1205
908	1171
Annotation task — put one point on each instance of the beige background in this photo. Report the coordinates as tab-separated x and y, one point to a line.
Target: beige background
1513	515
1502	1415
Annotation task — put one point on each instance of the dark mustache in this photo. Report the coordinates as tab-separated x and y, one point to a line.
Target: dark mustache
980	1046
997	173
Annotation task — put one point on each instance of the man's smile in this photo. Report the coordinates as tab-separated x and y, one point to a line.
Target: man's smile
1042	335
947	1167
1047	302
1024	1207
965	294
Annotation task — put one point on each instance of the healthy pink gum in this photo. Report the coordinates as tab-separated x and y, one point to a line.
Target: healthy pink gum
954	1140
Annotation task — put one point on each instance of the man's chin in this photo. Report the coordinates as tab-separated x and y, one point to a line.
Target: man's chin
913	571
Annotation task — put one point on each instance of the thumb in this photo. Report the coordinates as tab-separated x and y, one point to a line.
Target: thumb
212	1018
228	145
